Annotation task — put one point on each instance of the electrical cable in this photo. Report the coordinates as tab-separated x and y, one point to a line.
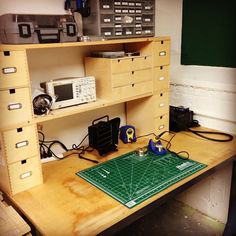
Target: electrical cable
168	145
200	134
46	148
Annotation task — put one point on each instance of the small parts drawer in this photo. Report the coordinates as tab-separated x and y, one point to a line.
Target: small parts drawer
132	90
161	124
25	174
106	5
131	77
20	143
107	19
130	64
15	107
161	102
161	78
162	53
14	72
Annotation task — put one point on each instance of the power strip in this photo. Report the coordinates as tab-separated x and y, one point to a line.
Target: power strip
52	158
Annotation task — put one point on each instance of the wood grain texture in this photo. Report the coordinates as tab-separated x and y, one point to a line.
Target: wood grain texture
67	205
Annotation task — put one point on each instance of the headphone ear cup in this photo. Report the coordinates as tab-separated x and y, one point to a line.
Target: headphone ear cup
42	104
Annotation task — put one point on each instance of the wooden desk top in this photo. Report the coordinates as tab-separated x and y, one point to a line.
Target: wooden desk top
67	205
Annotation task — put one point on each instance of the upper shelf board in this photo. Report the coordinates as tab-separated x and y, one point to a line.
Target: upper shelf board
14	47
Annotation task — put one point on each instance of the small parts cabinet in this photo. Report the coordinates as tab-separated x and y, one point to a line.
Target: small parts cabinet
154	110
20	166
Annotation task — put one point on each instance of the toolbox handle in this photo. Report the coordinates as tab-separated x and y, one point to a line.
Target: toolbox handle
24	30
48	38
100	119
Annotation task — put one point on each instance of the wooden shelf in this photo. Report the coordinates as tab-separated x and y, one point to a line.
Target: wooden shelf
99	103
117	81
16	47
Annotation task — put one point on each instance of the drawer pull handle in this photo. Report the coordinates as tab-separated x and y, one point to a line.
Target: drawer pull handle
162	53
26	175
161	104
161	78
9	70
14	106
161	127
22	144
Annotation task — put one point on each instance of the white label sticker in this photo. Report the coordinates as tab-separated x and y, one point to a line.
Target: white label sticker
107	33
9	70
26	175
161	78
14	106
162	53
22	144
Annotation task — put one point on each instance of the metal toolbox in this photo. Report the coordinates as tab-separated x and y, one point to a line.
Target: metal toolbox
23	29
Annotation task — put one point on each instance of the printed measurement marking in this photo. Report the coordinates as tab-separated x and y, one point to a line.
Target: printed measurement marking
104	176
106	171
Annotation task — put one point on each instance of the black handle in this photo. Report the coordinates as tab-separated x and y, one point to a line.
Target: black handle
100	119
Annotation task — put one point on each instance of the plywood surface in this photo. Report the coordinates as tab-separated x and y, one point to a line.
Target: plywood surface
11	223
68	205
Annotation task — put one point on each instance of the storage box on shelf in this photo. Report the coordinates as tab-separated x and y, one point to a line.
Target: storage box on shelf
19	160
126	79
121	77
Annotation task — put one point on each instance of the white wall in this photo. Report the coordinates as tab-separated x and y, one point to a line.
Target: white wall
32	7
211	93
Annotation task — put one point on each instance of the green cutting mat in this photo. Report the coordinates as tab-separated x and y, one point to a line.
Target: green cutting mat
131	179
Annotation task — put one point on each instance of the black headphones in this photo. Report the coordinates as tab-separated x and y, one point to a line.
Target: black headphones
42	104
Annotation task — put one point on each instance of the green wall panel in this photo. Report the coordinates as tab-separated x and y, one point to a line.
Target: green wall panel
209	33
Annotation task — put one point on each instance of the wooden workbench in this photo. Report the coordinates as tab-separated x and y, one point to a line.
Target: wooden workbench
65	204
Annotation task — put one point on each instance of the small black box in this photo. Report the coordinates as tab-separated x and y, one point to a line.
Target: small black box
180	118
103	136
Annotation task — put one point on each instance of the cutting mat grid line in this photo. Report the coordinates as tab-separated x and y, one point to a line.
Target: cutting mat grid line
132	179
